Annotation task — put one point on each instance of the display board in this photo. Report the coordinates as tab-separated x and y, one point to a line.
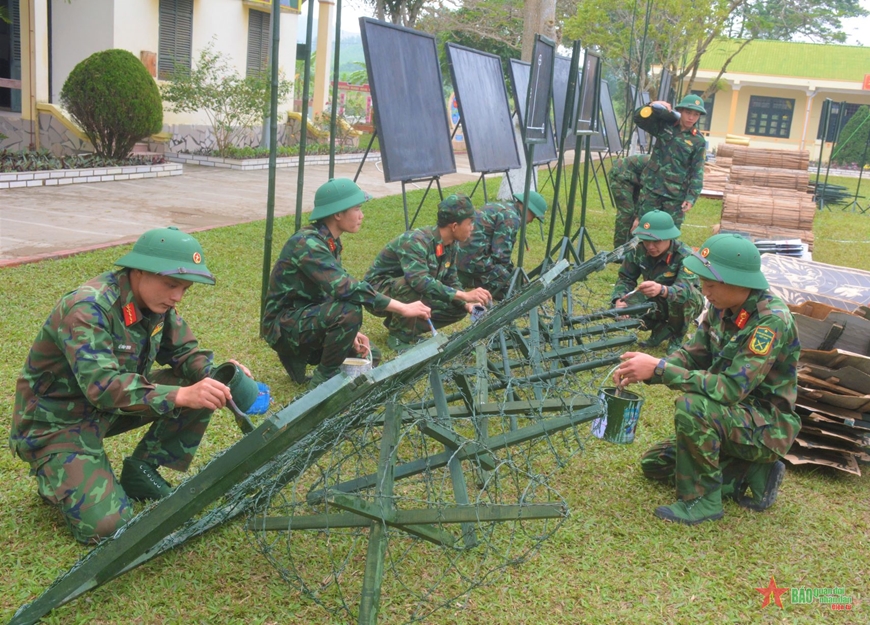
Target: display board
409	112
665	86
561	76
519	75
587	114
540	91
608	117
484	109
640	99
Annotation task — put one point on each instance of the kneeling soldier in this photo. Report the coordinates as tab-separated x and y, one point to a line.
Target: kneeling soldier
738	375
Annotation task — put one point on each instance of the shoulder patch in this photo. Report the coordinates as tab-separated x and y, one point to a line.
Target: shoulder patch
761	341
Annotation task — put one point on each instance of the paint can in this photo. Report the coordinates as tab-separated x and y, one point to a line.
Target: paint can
353	367
619	424
477	312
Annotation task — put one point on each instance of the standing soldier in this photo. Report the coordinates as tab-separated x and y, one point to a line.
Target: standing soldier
625	185
88	376
738	375
674	177
484	259
420	265
313	310
659	260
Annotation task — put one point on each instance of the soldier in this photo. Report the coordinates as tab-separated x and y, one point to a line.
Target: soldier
421	265
674	177
738	375
88	376
666	281
624	179
313	310
484	259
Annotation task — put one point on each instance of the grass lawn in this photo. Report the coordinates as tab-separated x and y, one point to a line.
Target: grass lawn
611	562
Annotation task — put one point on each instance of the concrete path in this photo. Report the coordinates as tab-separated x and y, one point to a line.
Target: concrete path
49	222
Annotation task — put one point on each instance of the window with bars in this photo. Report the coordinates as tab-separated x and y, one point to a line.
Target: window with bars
175	36
769	117
704	122
259	29
834	122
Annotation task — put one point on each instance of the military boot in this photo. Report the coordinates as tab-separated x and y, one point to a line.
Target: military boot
294	365
733	472
698	510
141	480
658	336
321	375
763	479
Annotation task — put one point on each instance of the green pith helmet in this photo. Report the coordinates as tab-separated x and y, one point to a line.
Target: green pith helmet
656	226
693	103
537	203
456	207
729	258
336	195
168	252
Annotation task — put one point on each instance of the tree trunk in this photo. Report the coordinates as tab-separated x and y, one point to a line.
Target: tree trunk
539	16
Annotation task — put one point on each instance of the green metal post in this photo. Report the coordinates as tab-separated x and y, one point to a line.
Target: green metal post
334	106
303	131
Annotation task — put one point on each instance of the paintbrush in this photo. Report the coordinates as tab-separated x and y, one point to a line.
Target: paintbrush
432	327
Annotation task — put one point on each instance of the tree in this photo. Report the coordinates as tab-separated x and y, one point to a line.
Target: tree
852	149
230	102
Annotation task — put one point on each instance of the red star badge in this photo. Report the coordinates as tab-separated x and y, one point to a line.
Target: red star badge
772	591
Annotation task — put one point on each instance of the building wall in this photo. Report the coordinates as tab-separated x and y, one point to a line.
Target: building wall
78	29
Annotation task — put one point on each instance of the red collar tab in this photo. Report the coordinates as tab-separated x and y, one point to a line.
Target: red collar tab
694	131
668	259
439	250
130	314
331	243
742	318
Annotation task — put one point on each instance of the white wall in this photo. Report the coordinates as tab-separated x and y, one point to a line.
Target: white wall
78	29
136	26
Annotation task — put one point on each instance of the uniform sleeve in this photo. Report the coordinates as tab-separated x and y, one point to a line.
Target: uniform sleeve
753	358
415	268
180	350
629	272
685	287
503	240
89	349
696	174
320	266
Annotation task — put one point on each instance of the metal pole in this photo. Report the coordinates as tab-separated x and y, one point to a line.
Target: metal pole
861	172
840	117
530	153
273	154
303	132
826	117
333	121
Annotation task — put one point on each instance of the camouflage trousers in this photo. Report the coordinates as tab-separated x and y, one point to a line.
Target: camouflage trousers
625	202
648	201
319	333
407	329
82	484
497	281
672	317
708	435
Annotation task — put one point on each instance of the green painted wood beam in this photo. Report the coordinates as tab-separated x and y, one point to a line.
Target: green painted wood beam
377	513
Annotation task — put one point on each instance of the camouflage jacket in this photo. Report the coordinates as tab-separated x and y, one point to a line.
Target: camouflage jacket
489	248
308	271
748	359
420	256
676	166
92	356
626	172
667	269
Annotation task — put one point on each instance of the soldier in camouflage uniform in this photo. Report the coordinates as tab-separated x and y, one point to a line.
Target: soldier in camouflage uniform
738	375
484	259
88	376
624	179
313	310
420	265
674	177
666	281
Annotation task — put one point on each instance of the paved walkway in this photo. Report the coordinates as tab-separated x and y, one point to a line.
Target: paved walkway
49	222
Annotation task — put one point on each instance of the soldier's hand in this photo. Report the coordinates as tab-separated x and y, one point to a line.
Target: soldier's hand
620	303
475	296
635	367
244	369
650	288
416	309
207	393
361	344
686	206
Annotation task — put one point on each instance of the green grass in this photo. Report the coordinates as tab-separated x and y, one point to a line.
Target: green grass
611	562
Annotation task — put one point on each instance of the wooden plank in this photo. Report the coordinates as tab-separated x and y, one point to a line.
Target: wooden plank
848	377
837	359
830	384
839	461
858	404
9	83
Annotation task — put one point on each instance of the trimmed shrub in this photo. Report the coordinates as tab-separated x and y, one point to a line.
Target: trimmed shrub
850	151
115	100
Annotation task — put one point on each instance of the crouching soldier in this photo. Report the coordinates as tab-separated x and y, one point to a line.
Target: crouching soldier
735	418
660	262
624	179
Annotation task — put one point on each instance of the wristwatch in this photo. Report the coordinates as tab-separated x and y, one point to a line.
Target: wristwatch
660	368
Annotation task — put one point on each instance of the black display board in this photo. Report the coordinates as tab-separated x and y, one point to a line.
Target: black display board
482	99
665	86
587	114
537	117
519	74
608	116
640	99
409	110
561	74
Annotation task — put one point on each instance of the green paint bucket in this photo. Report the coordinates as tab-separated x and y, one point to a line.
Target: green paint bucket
623	412
243	389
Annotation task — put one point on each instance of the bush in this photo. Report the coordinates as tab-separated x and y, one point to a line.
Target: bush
115	100
853	140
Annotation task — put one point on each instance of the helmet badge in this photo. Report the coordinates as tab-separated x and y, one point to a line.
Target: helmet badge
705	252
197	258
646	226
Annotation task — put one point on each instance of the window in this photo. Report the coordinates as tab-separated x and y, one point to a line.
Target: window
704	122
259	25
834	122
769	117
176	28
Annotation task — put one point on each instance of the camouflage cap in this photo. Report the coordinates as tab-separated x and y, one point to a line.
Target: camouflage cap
693	103
168	252
537	203
728	258
456	207
656	226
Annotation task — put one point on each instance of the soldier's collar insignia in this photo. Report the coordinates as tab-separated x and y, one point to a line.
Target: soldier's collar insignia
742	318
197	258
439	250
331	243
668	259
761	341
705	252
694	131
447	264
131	316
646	226
157	328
